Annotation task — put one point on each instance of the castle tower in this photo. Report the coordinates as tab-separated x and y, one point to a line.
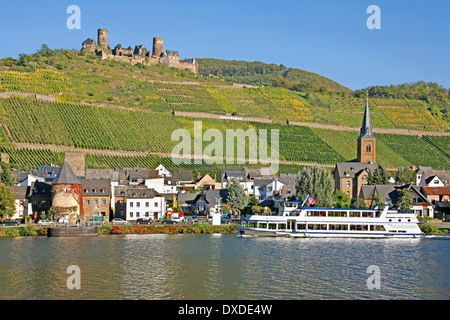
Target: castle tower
157	46
67	194
366	141
103	38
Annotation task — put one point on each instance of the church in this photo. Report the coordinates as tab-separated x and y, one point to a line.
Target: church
352	175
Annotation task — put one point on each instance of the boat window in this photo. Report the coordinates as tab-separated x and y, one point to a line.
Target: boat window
355	214
262	225
282	226
335	213
272	225
377	228
359	227
338	227
316	213
317	227
301	226
253	225
367	214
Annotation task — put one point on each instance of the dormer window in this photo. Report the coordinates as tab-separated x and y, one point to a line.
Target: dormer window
87	190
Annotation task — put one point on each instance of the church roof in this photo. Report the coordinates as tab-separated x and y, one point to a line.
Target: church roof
66	175
366	128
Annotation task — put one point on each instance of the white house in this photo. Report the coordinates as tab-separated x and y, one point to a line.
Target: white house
161	185
20	194
144	203
163	171
28	181
267	189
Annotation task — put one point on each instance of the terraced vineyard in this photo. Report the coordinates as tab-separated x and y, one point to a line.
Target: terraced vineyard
188	97
291	105
40	81
408	114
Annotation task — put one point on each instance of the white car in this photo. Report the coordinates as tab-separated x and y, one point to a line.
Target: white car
178	219
118	221
45	223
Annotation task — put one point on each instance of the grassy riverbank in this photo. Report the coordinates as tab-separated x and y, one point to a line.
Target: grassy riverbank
430	228
168	229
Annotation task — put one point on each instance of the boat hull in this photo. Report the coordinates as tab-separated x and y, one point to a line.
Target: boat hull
246	231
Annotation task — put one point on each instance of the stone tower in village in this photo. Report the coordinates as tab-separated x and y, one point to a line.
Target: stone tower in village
157	46
67	195
103	38
366	151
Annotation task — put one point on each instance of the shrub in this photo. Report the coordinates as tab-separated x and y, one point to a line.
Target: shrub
104	230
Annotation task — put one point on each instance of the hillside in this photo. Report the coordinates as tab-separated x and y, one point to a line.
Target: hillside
102	106
263	74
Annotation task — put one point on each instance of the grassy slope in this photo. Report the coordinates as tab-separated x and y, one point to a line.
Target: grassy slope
122	86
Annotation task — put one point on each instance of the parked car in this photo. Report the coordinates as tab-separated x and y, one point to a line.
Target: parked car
168	221
10	222
62	221
93	222
143	221
178	219
44	223
118	221
194	218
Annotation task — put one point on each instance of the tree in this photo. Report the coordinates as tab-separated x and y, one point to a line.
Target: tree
379	176
7	202
236	198
358	203
341	199
404	200
5	174
316	182
405	176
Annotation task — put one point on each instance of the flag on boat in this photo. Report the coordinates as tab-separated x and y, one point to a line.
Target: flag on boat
311	201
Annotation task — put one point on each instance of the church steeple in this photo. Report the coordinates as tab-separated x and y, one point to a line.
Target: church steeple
366	140
366	128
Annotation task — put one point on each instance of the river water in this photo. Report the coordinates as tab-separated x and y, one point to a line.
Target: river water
224	267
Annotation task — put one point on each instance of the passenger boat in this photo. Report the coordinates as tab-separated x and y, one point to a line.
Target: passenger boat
294	220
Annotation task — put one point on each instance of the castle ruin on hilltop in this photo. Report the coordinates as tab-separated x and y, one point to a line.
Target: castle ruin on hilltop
139	55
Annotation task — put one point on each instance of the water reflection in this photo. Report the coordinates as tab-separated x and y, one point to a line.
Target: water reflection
222	267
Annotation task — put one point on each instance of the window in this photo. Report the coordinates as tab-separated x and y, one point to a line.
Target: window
138	204
272	225
147	214
301	226
103	202
317	227
147	204
359	227
156	204
262	225
347	184
377	228
131	214
131	204
338	227
87	202
368	148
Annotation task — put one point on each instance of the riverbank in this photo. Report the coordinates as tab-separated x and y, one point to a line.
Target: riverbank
168	229
430	228
34	230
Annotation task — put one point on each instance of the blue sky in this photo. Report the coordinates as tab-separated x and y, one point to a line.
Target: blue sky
325	37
